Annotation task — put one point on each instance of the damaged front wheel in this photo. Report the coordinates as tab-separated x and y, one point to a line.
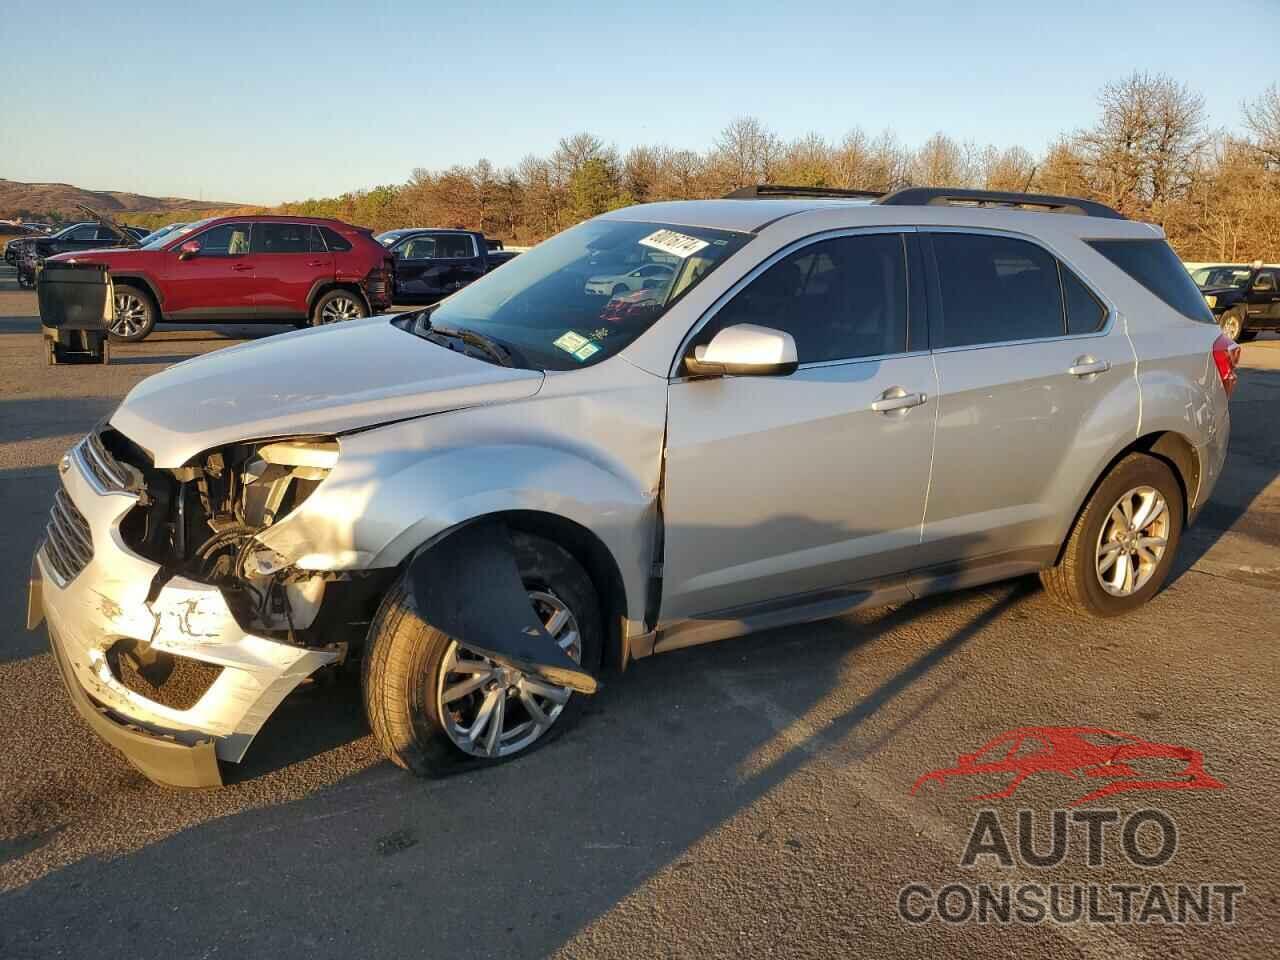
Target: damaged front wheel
436	707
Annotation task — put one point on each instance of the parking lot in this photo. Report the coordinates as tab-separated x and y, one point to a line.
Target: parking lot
745	798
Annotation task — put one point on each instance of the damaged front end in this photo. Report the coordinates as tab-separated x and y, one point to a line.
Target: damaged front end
177	632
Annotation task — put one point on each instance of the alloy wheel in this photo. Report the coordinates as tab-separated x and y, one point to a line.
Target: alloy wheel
339	309
1231	327
130	315
1133	541
495	711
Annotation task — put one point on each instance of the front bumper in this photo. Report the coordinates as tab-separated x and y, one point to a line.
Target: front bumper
106	602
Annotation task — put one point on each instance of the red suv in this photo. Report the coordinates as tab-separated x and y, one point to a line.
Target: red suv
300	270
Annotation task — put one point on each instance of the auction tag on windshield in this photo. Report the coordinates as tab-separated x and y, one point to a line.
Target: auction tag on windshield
571	342
586	350
677	244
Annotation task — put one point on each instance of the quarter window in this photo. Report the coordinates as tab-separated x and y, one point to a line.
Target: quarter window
335	241
1153	264
840	299
995	289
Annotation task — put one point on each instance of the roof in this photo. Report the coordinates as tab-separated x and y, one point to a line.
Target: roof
753	216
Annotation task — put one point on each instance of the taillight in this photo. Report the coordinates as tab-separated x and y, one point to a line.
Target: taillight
1226	357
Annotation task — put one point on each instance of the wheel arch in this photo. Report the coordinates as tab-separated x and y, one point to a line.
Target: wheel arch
584	546
1175	450
321	287
139	280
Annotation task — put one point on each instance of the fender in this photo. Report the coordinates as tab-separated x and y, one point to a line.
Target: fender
325	284
140	277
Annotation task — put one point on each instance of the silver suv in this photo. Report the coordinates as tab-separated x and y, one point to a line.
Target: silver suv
815	404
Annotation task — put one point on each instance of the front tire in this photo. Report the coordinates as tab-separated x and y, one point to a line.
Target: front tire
337	306
436	709
1233	324
135	314
1123	543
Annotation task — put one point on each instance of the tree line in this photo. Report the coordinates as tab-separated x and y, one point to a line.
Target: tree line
1152	154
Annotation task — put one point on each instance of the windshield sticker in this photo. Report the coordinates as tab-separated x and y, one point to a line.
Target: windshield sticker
677	244
585	351
570	342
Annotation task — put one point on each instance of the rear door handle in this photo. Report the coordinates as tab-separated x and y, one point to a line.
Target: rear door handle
242	266
896	398
315	263
1086	366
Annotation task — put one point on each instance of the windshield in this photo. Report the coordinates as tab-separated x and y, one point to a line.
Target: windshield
389	237
583	295
165	237
1221	277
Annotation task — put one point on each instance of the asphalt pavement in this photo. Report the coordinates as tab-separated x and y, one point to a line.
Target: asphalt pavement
748	798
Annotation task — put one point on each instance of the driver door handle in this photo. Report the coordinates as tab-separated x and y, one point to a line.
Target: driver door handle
242	266
896	398
1086	366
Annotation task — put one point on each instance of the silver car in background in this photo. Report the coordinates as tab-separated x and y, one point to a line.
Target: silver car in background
825	403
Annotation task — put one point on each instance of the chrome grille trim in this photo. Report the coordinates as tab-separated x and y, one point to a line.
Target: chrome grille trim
68	541
101	468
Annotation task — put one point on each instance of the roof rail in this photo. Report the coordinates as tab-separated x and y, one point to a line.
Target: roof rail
763	190
941	196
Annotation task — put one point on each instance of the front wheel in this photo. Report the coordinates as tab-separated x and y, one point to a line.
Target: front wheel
1233	324
436	708
135	314
1123	543
337	306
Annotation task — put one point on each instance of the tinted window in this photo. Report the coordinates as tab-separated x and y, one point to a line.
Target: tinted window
87	232
454	245
1084	313
335	241
995	289
419	248
106	233
1153	264
839	299
1266	281
229	239
281	238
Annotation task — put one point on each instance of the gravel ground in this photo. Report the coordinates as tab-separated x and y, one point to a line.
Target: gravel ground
745	798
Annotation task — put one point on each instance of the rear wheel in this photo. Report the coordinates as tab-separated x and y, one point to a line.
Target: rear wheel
135	314
337	306
1123	543
436	708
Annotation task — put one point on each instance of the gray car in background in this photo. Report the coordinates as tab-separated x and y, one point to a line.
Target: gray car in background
821	403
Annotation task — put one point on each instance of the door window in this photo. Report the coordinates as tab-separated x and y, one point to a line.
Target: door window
317	241
1084	313
87	232
840	299
282	238
1266	283
106	233
225	240
995	289
454	245
419	248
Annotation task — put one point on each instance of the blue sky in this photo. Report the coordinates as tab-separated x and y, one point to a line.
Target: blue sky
263	102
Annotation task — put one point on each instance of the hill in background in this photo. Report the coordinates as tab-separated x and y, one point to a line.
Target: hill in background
45	201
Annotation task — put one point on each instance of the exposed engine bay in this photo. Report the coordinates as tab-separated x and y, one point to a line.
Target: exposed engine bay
201	521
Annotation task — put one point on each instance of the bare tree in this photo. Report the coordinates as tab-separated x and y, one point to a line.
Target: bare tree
746	152
1262	118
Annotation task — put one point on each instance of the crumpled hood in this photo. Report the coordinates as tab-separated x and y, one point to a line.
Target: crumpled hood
322	381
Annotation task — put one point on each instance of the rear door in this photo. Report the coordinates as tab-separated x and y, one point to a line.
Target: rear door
1035	387
788	485
1264	299
461	259
218	281
289	260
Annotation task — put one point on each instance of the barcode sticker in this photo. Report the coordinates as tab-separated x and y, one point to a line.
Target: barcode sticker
677	244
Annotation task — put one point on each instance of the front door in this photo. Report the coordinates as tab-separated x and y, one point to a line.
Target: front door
421	277
1035	383
782	486
1264	300
216	282
288	261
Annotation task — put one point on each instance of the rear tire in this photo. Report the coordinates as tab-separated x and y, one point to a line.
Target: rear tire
337	306
135	314
1092	577
404	689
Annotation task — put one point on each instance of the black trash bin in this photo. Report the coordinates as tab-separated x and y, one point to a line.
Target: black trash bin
76	305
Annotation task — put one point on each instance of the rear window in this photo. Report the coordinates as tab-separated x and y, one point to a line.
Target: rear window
1153	264
335	241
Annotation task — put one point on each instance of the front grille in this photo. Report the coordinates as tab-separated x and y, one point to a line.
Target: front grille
100	466
68	543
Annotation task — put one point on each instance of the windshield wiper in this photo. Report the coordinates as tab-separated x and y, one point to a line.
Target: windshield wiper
497	351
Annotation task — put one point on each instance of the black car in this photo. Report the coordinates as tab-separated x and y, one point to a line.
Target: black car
1244	299
29	252
432	263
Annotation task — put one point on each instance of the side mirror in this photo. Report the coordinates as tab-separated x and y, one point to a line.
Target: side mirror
188	250
745	350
